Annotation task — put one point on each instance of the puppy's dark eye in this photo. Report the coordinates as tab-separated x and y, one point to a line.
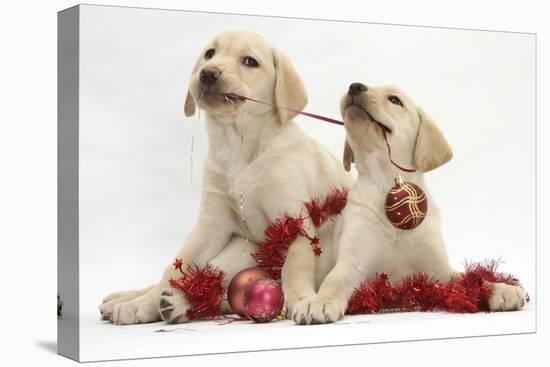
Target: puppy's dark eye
250	61
395	100
209	54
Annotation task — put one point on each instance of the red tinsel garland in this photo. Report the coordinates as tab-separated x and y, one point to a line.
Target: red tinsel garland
466	293
334	203
203	288
280	234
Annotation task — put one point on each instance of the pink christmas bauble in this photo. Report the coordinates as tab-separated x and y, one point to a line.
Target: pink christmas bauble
239	284
263	300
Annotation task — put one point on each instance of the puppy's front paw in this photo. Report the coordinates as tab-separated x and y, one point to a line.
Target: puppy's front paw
506	297
299	312
325	309
173	307
292	304
317	309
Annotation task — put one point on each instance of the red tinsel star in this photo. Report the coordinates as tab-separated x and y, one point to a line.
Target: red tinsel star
316	247
178	264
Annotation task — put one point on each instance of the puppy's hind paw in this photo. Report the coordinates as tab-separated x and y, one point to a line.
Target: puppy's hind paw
108	303
140	310
506	297
173	307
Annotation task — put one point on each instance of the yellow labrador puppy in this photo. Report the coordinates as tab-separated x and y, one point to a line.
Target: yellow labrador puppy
368	243
260	165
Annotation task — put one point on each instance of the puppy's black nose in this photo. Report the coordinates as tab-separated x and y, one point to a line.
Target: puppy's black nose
356	88
209	75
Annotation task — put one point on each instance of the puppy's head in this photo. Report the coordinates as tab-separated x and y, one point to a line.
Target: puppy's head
414	138
245	64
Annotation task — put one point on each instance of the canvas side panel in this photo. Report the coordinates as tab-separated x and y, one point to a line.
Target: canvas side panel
67	184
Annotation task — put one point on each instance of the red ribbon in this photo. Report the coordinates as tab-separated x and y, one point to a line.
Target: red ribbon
389	154
322	118
312	115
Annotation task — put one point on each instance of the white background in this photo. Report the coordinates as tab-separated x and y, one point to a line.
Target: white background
32	143
137	203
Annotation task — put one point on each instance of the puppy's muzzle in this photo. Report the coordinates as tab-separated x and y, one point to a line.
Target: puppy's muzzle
356	88
209	75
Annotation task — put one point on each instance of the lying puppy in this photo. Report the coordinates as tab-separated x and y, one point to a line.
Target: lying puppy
260	165
368	243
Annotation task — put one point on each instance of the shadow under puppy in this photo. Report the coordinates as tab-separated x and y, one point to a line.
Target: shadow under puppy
367	243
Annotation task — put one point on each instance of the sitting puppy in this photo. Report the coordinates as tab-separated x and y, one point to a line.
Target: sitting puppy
260	165
368	243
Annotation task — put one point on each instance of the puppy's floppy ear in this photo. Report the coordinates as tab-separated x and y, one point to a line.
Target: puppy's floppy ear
348	158
289	88
432	149
190	105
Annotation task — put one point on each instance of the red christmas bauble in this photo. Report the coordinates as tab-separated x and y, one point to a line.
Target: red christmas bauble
238	286
406	205
263	300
